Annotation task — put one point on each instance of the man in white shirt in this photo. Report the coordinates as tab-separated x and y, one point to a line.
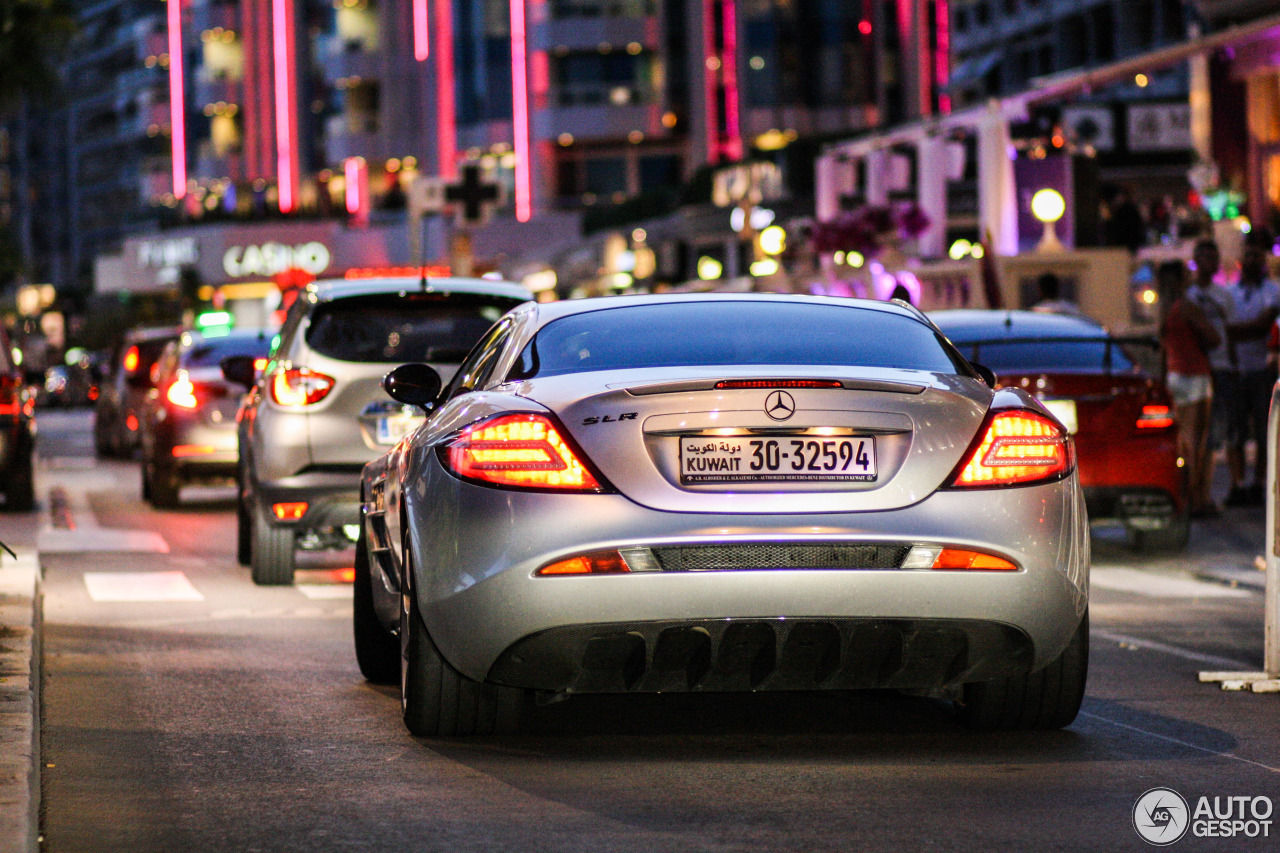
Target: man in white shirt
1256	304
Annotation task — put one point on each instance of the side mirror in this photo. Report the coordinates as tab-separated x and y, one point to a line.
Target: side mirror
986	373
414	385
239	369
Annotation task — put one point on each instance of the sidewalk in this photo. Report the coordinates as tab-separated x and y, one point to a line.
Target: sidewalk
20	609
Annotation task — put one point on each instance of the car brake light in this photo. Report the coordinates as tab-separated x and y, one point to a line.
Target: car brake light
259	365
1018	447
182	451
778	383
524	451
299	386
182	393
131	359
1155	417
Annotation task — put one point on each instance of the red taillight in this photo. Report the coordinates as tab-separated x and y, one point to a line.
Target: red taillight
778	383
259	365
1018	447
289	511
182	451
131	359
299	386
524	451
1155	417
182	393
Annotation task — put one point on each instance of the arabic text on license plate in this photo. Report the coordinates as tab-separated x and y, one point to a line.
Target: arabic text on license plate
770	460
392	429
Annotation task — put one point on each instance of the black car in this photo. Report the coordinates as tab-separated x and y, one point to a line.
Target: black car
188	419
17	433
120	398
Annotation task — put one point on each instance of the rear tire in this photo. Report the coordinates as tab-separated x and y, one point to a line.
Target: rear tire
20	493
377	649
244	545
439	701
271	558
1043	700
160	486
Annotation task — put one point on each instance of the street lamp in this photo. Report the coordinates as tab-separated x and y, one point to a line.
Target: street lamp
1048	206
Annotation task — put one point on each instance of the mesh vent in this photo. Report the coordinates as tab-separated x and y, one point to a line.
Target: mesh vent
711	558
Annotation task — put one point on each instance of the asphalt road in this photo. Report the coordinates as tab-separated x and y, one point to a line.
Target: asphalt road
222	716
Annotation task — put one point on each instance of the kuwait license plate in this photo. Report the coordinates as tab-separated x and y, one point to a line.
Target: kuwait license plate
771	460
395	427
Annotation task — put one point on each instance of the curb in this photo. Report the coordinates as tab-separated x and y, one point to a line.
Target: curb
20	681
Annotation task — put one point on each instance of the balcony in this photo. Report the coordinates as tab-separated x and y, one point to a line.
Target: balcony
340	59
590	33
601	120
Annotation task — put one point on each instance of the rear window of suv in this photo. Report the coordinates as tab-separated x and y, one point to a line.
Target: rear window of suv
703	334
396	329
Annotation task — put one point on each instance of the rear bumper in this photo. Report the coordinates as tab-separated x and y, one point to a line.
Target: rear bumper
332	497
476	550
1139	506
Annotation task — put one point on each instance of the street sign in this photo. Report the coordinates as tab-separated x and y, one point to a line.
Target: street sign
473	197
426	195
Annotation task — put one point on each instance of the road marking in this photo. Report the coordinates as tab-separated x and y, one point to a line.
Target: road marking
1165	648
1158	585
322	592
73	528
140	586
1179	742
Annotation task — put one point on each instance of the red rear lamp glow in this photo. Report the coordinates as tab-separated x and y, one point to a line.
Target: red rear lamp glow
596	563
1155	417
524	451
131	359
182	393
299	386
778	383
131	422
955	558
259	365
1018	447
182	450
289	511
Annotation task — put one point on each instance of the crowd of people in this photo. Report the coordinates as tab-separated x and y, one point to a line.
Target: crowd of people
1221	344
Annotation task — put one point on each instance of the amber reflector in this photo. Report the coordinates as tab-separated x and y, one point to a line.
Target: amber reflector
597	563
289	511
955	558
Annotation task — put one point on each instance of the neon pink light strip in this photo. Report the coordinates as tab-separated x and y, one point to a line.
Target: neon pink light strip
421	30
709	73
351	171
177	102
281	34
942	55
520	113
446	113
729	74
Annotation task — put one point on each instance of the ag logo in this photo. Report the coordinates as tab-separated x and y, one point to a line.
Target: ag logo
779	405
1161	816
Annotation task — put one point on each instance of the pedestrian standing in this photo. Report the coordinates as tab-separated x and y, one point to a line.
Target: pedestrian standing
1256	305
1215	302
1186	337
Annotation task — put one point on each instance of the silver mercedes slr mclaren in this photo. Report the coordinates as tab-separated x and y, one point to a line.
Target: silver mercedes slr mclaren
722	492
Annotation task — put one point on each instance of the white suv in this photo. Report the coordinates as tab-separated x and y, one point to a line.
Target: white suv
317	413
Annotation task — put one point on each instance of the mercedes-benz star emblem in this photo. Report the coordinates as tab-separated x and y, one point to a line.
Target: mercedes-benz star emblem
779	405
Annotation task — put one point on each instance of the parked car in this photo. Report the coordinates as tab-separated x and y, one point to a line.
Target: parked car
1103	389
17	432
718	493
121	395
188	419
318	413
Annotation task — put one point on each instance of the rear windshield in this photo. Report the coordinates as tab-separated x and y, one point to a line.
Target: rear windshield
1095	355
211	351
733	333
148	351
396	329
